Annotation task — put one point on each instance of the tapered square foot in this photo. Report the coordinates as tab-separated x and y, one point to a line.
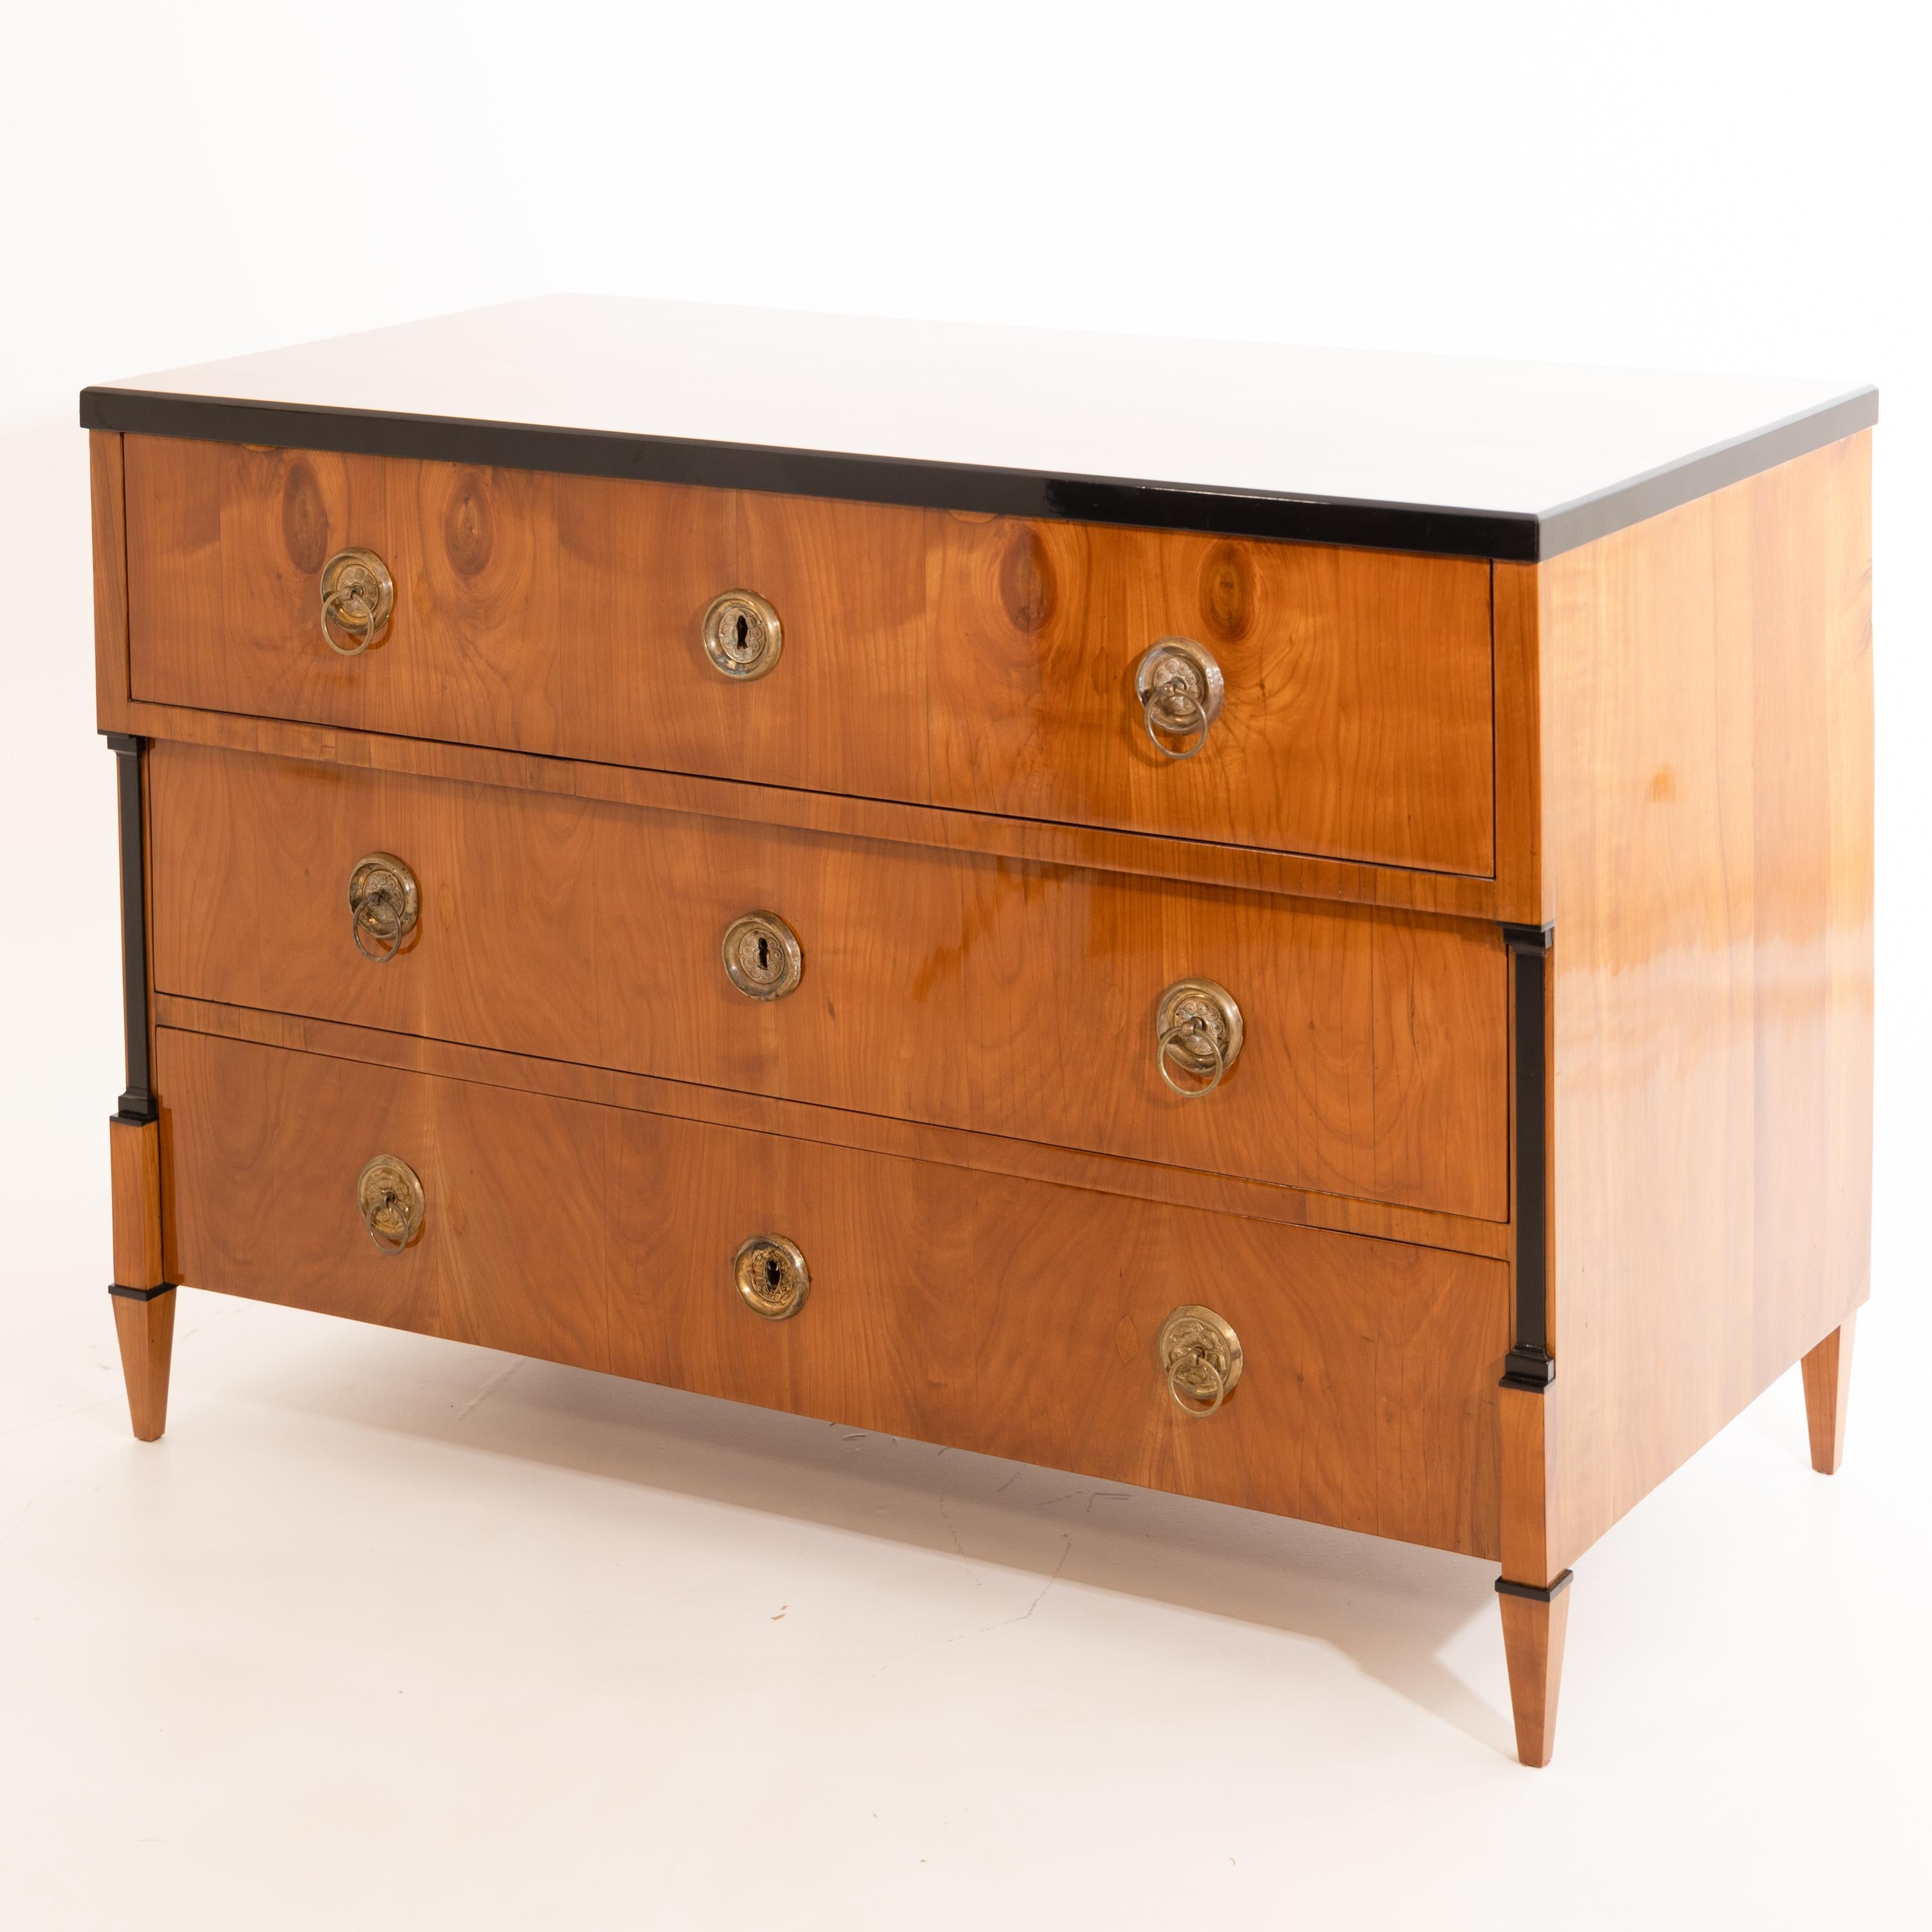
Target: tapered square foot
144	1322
1827	1376
1534	1620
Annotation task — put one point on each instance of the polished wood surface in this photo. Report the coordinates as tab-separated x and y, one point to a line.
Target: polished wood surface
1523	896
1706	778
941	988
1533	1634
1529	1484
930	657
145	1331
1189	861
1004	1316
988	1153
1827	1378
106	495
134	1157
1357	716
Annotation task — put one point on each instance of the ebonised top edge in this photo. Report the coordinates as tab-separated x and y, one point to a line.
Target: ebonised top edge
1510	536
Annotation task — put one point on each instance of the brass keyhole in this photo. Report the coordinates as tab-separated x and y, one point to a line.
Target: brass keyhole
763	958
742	634
771	1276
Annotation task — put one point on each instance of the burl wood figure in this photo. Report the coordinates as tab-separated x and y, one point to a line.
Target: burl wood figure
1311	912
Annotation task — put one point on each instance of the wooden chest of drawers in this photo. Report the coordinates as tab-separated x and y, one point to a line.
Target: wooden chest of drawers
761	859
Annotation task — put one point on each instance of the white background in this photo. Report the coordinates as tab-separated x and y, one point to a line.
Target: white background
388	1633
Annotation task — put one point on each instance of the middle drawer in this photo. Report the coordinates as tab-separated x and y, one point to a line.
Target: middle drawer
947	987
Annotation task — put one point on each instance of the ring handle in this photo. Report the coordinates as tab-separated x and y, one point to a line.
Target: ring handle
390	1196
1180	687
384	902
358	595
1200	1355
1185	1044
1182	1371
1198	1032
1181	714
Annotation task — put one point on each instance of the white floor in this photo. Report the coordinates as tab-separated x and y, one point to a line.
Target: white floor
391	1633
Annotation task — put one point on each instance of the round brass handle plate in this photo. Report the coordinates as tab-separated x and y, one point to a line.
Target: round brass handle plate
358	597
742	635
763	958
1200	1356
390	1198
384	902
1198	1030
1181	690
770	1272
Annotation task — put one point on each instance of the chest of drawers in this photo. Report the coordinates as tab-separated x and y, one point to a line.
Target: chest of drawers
755	852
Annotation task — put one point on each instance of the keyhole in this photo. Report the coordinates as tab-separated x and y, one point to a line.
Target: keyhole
764	955
744	634
774	1273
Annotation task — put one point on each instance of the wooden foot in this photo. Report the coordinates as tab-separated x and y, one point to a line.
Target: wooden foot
145	1323
144	1304
1828	1373
1533	1622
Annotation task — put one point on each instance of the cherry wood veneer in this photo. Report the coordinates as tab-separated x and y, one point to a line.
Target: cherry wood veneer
1010	999
1656	744
876	1133
1003	1316
1706	801
984	664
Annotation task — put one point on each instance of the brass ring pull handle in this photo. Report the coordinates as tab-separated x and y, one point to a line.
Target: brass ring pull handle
358	597
1200	1356
763	958
391	1199
770	1273
1198	1034
384	904
742	635
1180	689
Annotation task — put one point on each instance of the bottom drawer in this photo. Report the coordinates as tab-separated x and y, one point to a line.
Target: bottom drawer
1013	1317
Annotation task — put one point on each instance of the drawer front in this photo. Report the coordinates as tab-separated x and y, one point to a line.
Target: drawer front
939	987
996	1315
979	663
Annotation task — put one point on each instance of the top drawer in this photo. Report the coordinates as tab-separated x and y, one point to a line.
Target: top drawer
933	657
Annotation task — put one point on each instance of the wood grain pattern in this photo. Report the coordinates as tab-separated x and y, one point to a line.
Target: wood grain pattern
1828	1380
1523	892
134	1156
985	665
1708	797
260	1153
107	505
1529	1484
1193	862
1533	1635
1358	715
144	1332
988	1153
1003	998
1004	1316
